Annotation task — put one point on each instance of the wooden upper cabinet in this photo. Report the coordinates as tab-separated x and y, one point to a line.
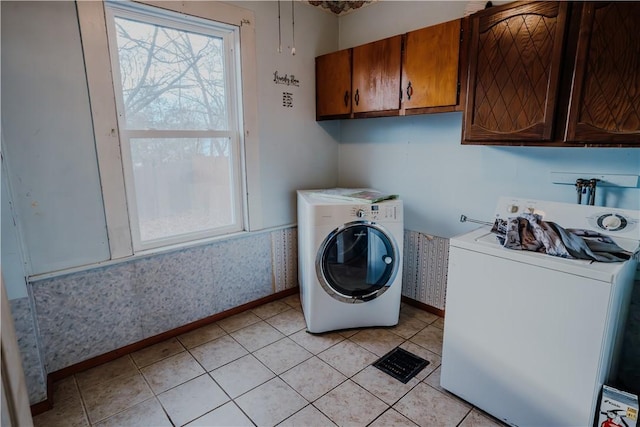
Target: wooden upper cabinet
514	72
333	85
605	98
376	77
430	74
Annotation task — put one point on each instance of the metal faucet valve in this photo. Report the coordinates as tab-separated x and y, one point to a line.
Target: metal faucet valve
592	191
580	189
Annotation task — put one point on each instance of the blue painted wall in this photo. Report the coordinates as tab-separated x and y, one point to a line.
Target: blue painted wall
421	158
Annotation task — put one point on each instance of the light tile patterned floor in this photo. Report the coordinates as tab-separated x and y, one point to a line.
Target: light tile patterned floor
262	368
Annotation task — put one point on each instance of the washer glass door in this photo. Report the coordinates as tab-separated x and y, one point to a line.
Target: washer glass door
357	262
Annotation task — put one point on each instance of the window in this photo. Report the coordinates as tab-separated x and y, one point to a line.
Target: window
176	84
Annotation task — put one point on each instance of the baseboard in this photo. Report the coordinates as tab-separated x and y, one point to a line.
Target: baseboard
47	404
423	306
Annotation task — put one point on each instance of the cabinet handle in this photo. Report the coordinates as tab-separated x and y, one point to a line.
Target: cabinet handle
357	97
409	91
346	98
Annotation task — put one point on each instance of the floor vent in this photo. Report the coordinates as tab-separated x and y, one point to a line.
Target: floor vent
401	364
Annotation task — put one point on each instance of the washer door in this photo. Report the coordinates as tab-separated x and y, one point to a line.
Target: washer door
357	262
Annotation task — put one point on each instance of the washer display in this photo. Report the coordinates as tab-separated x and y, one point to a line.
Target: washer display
350	262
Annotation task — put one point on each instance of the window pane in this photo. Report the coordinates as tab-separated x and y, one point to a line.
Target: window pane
171	79
182	185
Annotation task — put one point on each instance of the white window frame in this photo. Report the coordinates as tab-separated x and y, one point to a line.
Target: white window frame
100	77
229	34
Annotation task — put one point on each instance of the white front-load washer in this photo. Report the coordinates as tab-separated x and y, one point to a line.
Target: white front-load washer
349	261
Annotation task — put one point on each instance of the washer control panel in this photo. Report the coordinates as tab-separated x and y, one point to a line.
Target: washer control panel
376	212
611	221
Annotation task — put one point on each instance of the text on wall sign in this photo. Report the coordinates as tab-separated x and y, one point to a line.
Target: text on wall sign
287	79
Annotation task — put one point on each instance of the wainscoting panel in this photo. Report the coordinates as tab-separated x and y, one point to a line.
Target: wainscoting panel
89	313
85	314
24	324
424	276
284	250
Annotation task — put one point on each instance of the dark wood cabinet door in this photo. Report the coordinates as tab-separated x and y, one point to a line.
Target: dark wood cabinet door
430	67
376	76
333	85
605	97
514	71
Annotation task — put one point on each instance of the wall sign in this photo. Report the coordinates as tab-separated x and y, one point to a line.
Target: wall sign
287	79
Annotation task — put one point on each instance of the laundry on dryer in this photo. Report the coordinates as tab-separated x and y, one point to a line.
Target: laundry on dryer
349	261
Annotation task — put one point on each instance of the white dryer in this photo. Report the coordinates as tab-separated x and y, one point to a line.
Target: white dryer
349	262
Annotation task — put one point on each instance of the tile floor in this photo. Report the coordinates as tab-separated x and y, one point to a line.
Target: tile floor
262	368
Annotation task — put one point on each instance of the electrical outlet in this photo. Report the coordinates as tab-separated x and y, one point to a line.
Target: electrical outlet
604	180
